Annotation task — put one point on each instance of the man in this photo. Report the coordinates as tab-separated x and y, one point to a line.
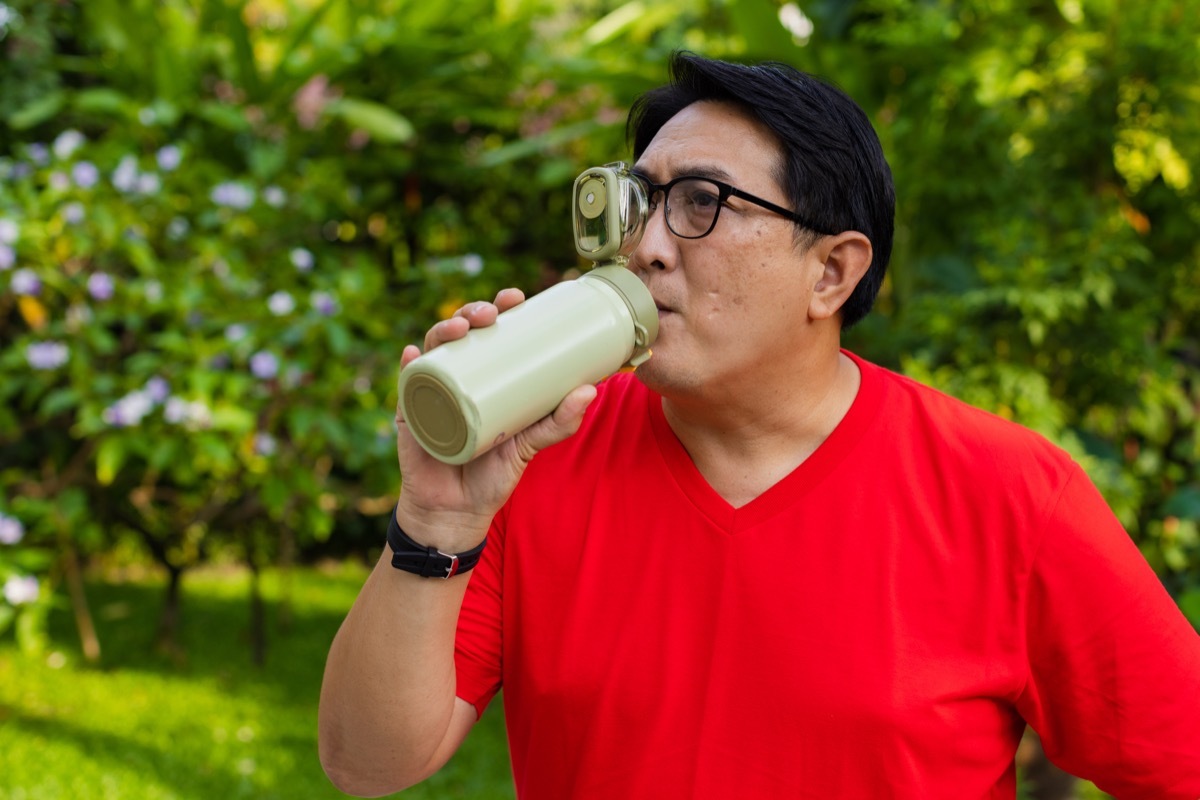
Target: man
763	567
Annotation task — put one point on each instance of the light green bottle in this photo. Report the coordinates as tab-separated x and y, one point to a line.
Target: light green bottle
466	396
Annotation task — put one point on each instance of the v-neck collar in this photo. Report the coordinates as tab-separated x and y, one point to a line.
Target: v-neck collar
792	488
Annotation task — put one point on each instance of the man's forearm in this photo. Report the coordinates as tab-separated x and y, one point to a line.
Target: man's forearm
387	699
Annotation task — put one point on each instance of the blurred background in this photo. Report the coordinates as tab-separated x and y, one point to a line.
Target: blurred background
221	221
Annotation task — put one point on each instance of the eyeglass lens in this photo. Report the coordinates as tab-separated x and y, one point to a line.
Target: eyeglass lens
692	207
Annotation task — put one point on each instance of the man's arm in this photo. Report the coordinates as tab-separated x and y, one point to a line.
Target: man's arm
389	716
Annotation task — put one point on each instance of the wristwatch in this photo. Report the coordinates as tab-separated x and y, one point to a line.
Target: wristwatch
428	562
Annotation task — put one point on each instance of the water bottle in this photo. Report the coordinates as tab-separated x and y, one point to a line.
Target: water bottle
465	397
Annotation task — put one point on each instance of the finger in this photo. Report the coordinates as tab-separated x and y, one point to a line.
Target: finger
565	420
410	353
447	331
507	298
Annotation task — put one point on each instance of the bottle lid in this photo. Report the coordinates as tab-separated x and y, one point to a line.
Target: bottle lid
640	304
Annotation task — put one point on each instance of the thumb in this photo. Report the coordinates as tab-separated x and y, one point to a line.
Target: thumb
552	429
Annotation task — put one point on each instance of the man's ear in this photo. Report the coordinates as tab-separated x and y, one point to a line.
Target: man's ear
844	260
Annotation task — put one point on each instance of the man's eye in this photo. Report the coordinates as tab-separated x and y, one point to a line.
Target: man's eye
702	199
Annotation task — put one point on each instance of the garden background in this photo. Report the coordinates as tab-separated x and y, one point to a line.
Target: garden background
221	220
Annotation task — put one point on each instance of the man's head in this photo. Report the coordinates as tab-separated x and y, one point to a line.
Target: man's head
833	171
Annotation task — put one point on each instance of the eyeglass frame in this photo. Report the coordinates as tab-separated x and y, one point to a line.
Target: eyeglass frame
724	192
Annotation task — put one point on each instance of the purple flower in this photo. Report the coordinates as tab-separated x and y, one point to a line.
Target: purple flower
264	365
46	355
302	259
236	332
281	303
129	410
19	590
9	231
26	282
39	153
233	195
8	257
85	174
169	157
265	444
100	286
67	143
125	176
157	389
11	529
73	212
324	304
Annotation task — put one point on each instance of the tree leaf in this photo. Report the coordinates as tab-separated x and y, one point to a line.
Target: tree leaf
382	123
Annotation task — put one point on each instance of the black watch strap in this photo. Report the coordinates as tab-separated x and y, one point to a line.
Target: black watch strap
428	562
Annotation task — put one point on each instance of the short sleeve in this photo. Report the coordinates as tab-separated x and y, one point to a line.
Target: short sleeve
1114	668
478	641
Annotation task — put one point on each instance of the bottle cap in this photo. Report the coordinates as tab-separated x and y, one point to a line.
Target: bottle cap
434	416
640	303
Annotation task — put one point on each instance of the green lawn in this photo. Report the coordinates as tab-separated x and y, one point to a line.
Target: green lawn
209	726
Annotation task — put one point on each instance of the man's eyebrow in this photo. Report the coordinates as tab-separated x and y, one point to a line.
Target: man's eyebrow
694	171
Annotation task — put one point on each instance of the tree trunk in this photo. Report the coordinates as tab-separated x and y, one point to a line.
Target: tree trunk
258	617
89	642
287	560
167	637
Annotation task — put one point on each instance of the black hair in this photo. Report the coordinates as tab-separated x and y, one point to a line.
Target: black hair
834	171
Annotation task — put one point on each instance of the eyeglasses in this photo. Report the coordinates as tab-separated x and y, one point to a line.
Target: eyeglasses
693	205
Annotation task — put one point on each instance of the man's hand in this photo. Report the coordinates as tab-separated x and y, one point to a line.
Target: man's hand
450	507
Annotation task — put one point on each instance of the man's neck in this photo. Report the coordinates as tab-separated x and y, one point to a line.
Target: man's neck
747	442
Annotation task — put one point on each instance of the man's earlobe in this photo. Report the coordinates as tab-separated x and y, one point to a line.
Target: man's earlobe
845	259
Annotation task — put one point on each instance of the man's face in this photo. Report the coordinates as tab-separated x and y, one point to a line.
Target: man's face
733	305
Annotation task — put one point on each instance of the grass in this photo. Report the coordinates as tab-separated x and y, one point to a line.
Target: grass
209	725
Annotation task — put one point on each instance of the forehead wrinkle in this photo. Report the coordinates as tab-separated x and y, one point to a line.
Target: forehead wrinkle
710	171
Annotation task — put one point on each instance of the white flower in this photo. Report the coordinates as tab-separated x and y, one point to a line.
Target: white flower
169	157
125	176
235	332
178	228
233	195
59	181
9	231
153	290
8	257
472	264
281	303
67	143
19	590
11	529
302	259
148	183
274	196
193	414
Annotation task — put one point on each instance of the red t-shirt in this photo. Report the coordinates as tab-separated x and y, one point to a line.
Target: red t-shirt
880	623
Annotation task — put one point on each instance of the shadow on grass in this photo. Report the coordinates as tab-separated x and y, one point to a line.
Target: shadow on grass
214	635
180	775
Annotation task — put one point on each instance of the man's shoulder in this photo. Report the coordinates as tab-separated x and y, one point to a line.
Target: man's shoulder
923	416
